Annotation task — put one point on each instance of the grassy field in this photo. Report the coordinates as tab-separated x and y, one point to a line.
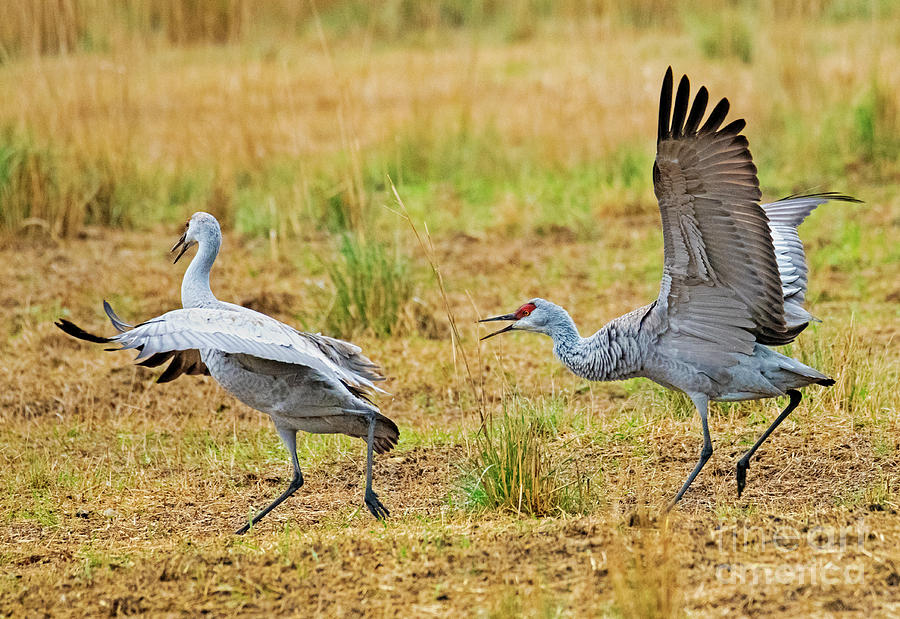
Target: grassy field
520	138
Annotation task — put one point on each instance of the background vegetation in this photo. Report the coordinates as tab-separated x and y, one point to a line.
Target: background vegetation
519	136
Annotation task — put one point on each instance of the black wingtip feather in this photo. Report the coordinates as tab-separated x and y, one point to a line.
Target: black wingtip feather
698	109
665	106
76	331
716	117
735	126
682	98
157	359
173	370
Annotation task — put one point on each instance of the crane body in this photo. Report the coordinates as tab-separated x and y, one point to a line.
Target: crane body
733	284
303	381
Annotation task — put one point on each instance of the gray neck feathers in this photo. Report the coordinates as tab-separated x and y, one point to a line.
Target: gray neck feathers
195	290
612	353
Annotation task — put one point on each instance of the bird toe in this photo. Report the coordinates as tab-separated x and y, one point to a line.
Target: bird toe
375	507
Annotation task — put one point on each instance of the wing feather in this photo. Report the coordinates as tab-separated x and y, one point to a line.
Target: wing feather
254	334
721	288
680	109
183	361
174	369
785	216
157	360
716	117
735	272
697	111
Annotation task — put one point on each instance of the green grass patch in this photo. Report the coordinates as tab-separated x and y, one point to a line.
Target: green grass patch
520	465
372	285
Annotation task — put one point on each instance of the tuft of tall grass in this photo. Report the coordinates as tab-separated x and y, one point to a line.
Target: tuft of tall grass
517	463
511	455
372	286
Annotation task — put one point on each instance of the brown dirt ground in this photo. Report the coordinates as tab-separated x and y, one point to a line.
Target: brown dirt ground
121	495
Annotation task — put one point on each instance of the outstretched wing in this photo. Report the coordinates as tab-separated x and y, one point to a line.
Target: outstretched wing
785	216
180	335
247	333
721	289
182	361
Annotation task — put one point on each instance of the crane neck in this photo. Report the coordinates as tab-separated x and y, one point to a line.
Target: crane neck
612	353
195	290
563	332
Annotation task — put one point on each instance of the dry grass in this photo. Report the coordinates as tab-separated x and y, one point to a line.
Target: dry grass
139	134
524	146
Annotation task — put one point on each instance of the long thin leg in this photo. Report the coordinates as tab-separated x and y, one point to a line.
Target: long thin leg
744	463
701	401
378	510
290	441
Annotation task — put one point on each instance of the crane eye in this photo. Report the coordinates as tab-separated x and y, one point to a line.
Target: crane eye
525	312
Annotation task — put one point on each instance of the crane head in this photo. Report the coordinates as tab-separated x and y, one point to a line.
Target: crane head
200	225
523	319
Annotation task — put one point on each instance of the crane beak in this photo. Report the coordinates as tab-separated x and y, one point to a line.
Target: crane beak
183	244
504	329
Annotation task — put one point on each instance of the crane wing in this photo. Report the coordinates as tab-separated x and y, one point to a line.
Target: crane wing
346	355
721	289
181	334
241	332
182	361
785	216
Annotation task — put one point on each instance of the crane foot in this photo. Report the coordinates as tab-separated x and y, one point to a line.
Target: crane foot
375	507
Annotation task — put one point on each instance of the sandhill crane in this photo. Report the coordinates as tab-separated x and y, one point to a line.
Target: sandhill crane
733	283
303	381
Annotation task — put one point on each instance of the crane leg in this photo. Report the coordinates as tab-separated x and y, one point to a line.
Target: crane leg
702	403
290	441
375	507
744	463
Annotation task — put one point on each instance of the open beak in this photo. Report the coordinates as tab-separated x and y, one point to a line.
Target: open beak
183	244
504	329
